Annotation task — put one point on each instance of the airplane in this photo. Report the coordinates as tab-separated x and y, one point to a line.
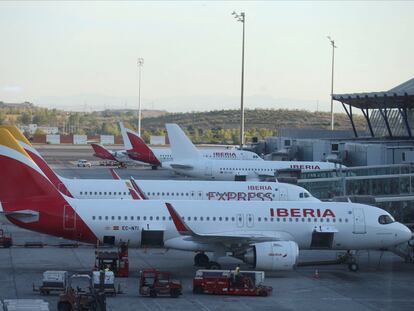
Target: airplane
187	161
101	152
138	150
117	188
265	235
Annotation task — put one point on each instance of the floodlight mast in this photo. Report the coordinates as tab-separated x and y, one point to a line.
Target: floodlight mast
241	17
332	79
140	64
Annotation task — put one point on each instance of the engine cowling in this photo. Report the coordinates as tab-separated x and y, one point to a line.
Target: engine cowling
278	255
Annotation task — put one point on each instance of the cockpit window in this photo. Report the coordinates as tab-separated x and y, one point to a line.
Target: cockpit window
385	219
307	195
304	195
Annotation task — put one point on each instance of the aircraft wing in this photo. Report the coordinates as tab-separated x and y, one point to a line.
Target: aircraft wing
181	166
230	237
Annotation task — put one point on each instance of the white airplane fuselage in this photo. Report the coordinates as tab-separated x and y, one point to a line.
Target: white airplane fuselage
251	170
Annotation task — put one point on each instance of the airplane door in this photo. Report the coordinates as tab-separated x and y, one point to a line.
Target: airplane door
249	220
208	171
283	194
69	218
359	220
240	220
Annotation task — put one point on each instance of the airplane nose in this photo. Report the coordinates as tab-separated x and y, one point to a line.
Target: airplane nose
405	234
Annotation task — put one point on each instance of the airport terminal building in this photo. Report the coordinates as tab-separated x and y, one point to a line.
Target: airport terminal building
379	161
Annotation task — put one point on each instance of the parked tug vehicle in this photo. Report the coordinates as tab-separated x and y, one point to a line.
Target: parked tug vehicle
155	283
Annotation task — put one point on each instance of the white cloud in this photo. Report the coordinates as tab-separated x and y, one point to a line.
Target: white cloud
12	88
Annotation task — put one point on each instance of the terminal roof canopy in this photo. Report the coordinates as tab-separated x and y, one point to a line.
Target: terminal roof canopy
401	96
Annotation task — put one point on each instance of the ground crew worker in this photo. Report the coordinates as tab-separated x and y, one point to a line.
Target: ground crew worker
237	276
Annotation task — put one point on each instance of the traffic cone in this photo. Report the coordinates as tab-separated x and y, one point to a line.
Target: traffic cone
316	274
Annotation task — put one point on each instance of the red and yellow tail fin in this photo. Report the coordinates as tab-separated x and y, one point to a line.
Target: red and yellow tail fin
16	133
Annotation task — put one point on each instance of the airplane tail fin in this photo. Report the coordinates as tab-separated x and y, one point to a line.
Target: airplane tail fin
137	149
102	152
138	189
13	129
181	146
114	174
127	143
21	178
36	157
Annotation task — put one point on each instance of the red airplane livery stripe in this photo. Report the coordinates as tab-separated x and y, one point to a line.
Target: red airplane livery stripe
140	151
23	188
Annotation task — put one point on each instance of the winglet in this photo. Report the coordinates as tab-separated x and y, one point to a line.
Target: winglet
181	145
114	174
138	189
8	140
179	223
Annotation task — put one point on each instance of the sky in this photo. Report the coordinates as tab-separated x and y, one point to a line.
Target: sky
83	55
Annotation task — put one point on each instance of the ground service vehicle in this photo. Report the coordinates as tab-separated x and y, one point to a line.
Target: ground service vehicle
225	282
5	239
53	281
155	283
84	163
108	282
81	296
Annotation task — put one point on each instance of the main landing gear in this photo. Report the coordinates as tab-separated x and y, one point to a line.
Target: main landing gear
349	258
202	260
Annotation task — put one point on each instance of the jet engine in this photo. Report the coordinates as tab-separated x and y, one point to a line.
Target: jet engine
278	255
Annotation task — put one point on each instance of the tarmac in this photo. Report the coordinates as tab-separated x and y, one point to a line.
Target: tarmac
384	281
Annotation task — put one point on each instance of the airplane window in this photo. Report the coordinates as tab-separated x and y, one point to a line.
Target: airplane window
214	218
232	219
201	218
172	193
327	220
100	217
119	217
157	218
301	195
309	220
290	219
182	194
284	219
106	217
346	219
278	219
132	218
120	193
321	219
296	219
100	193
189	218
110	193
183	218
163	218
340	219
150	218
226	219
113	217
315	220
186	194
303	219
208	218
90	193
126	217
138	218
220	218
153	193
192	194
195	218
333	220
81	192
259	219
265	219
124	193
93	217
169	218
95	193
272	219
307	195
168	193
163	193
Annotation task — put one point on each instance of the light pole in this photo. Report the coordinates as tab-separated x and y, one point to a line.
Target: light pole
140	64
332	79
241	18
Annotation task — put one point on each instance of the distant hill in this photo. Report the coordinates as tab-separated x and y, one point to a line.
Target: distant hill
256	118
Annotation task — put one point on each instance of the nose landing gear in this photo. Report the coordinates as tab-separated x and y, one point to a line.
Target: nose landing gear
202	260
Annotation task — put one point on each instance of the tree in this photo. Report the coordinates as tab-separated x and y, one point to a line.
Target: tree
26	118
2	117
39	132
